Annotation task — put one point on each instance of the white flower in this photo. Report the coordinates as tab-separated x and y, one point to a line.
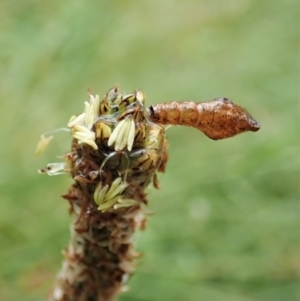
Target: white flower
42	144
76	120
102	130
91	111
54	169
123	134
125	203
107	198
140	97
45	140
82	124
84	135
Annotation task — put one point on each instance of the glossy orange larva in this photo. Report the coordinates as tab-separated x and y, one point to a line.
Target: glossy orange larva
218	119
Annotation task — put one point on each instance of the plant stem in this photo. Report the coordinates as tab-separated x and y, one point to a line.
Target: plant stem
107	200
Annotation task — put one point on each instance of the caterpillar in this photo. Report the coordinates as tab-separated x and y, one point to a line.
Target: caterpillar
218	119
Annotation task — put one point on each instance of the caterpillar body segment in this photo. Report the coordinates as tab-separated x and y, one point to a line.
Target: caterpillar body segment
218	119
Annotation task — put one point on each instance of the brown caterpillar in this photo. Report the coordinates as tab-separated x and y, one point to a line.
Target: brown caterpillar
218	119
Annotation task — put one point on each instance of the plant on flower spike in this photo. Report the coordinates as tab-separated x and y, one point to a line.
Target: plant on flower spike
118	147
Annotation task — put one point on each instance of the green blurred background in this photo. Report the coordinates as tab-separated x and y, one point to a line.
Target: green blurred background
226	226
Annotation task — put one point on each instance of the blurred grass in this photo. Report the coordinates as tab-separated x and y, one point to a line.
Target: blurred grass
227	217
